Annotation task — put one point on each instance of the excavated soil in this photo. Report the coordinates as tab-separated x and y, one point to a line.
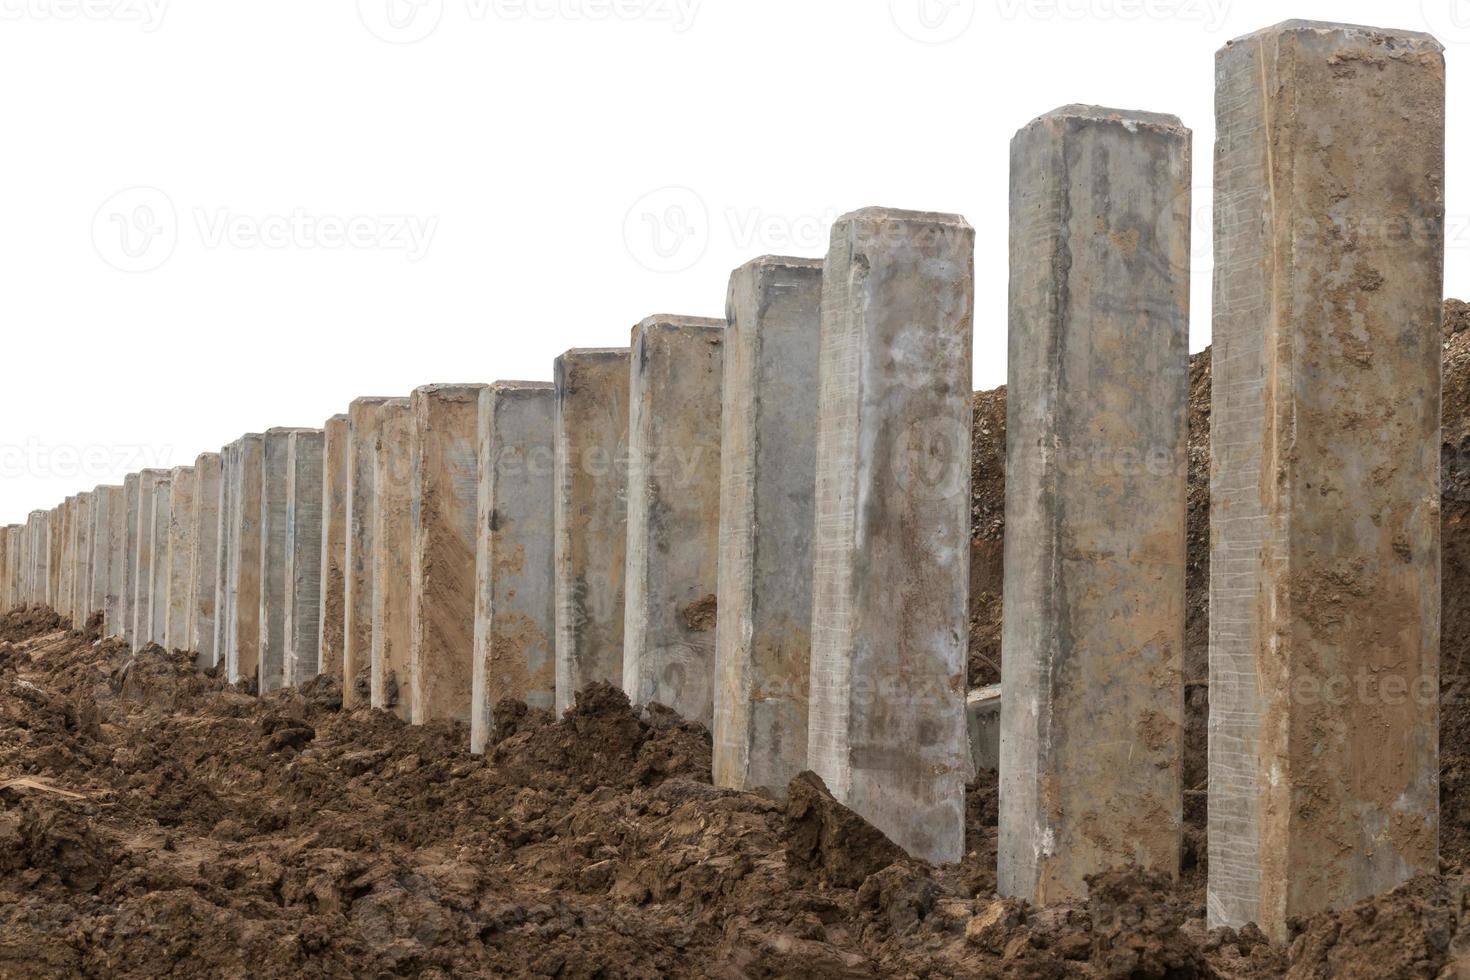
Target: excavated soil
155	821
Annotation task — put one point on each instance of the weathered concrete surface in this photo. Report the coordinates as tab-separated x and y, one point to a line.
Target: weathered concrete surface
55	550
392	686
591	517
7	599
332	609
515	587
81	586
142	558
982	717
66	588
133	509
444	491
303	549
183	491
204	560
364	419
675	379
1325	564
242	650
274	531
1096	461
112	531
229	463
767	481
97	558
891	549
37	525
159	518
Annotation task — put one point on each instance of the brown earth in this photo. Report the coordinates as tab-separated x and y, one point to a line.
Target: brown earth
155	821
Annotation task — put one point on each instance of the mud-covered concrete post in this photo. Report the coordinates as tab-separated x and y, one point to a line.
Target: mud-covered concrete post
1097	430
204	558
182	494
132	509
65	603
392	686
142	558
515	589
674	391
97	563
444	491
55	552
330	615
274	532
7	599
767	483
112	526
224	600
1325	564
243	631
591	507
303	550
364	418
891	551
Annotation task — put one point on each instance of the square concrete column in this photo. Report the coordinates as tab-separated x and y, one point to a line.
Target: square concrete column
229	465
39	524
392	686
112	526
675	377
891	549
204	560
515	590
303	553
55	552
5	577
66	590
332	612
142	558
1325	494
183	492
242	652
162	569
81	586
591	509
767	483
274	532
132	511
364	417
97	560
1095	500
444	492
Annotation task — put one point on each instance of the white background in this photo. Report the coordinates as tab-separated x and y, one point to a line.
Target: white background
181	177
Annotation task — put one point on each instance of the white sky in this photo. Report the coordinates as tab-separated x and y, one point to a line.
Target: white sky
331	214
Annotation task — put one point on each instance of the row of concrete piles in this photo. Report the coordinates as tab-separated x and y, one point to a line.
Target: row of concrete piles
763	521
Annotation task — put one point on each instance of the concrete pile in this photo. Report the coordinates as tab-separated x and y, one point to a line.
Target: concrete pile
762	521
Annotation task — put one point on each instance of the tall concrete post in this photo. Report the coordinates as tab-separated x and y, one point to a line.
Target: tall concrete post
157	631
204	560
81	585
332	612
891	548
515	590
675	377
591	517
1325	554
6	602
444	491
55	552
274	532
392	686
142	557
97	560
303	553
767	485
111	547
229	465
1098	396
364	417
39	525
183	490
243	631
66	591
132	513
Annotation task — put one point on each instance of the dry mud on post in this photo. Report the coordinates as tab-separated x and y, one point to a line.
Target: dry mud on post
156	821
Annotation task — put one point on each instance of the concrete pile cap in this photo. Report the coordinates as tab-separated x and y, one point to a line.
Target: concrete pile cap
1420	40
1132	120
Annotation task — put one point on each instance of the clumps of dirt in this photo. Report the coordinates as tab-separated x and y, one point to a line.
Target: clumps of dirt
24	622
987	533
701	614
828	844
1416	930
